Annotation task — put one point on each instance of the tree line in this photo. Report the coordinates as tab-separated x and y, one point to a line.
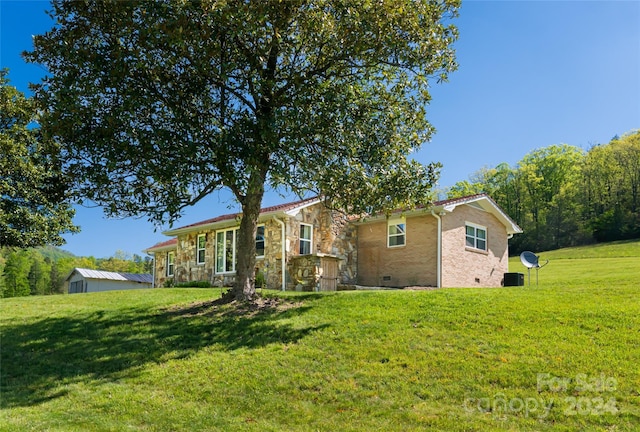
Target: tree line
43	270
562	195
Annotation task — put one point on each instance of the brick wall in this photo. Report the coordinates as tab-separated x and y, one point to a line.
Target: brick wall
466	267
408	265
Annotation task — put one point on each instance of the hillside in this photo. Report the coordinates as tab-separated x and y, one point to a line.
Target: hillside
560	356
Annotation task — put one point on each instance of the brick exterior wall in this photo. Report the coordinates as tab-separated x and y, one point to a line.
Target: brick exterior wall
466	267
409	265
415	263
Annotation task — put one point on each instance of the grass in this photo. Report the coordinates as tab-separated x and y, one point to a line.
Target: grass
562	355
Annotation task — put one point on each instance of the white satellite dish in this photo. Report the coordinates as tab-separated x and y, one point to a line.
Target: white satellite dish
531	260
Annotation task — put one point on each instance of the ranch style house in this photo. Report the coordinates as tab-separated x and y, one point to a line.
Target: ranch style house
306	246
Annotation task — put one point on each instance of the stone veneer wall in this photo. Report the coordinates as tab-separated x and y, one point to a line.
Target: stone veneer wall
160	263
332	235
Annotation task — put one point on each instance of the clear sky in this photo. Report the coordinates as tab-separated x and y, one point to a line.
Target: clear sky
532	74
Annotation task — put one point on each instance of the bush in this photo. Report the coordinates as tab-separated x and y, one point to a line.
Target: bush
194	284
260	280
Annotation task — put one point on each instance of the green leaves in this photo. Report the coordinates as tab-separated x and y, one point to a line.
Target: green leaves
562	196
157	104
34	207
194	95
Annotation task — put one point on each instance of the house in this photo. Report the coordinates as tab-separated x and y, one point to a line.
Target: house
304	245
83	280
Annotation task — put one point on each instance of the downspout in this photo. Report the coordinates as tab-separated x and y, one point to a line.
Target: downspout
284	252
438	250
153	277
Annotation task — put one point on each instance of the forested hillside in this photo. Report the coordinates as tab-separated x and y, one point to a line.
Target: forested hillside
562	195
40	271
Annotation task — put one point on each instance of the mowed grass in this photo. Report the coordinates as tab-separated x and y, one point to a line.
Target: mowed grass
563	355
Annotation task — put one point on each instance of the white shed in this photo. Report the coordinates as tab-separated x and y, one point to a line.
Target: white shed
85	280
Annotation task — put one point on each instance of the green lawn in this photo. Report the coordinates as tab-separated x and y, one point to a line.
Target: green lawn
563	355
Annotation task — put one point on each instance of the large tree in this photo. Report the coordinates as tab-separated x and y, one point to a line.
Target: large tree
34	205
158	104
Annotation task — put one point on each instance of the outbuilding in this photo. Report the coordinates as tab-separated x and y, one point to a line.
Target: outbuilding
82	280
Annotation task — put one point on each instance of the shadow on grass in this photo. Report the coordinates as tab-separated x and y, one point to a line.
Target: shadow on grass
40	358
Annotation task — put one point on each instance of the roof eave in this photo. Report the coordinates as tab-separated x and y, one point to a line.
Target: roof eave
489	206
226	223
486	203
152	250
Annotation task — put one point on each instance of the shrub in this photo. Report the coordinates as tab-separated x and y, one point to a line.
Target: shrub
194	284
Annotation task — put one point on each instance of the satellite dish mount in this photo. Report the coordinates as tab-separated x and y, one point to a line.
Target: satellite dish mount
531	260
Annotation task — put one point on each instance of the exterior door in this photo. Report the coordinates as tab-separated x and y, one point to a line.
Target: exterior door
329	276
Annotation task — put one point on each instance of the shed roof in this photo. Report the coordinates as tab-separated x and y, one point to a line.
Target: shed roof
106	275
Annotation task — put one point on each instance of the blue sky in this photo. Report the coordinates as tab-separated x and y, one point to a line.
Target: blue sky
532	74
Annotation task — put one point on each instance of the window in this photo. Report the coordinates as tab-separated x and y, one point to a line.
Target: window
227	248
226	251
200	248
476	236
260	241
170	263
306	232
396	232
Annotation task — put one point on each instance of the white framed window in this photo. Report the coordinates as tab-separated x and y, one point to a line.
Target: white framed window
260	242
171	260
201	244
476	236
226	250
306	239
396	232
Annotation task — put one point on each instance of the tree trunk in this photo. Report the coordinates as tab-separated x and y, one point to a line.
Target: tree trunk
244	288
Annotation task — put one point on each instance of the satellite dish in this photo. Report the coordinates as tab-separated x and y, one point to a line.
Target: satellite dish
531	260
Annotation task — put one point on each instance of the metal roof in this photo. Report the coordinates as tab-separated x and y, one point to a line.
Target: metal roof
235	217
105	275
482	201
165	245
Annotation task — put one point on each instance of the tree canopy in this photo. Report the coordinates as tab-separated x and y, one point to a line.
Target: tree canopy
158	104
34	205
564	196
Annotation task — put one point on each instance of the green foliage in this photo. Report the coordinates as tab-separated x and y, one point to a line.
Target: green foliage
158	104
260	280
122	262
353	361
34	207
39	275
42	271
612	188
193	284
16	274
562	196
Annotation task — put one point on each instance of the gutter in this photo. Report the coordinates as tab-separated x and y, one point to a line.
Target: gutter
284	252
438	250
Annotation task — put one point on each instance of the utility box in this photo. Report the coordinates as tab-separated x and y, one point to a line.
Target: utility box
514	279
